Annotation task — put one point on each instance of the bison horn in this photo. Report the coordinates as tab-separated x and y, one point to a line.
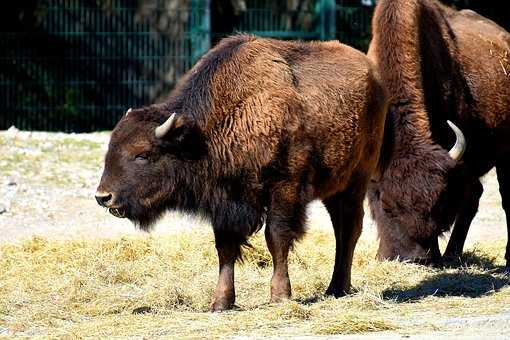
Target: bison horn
163	129
460	144
128	111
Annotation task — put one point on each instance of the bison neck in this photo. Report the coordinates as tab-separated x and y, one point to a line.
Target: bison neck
415	50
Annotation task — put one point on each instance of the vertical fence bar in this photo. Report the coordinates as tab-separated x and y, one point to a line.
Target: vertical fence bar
200	28
327	19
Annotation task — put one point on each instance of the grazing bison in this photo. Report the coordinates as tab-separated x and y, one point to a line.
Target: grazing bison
256	130
438	65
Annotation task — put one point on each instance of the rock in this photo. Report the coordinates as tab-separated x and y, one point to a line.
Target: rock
12	131
3	208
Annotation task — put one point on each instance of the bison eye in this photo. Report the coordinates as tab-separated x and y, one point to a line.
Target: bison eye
142	158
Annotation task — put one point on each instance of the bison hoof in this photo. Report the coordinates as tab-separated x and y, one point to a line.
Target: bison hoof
452	256
335	291
220	305
277	298
280	289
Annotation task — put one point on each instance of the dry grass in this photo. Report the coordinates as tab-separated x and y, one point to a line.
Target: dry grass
147	286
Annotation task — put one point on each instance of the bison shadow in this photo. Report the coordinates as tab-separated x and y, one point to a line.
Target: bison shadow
461	282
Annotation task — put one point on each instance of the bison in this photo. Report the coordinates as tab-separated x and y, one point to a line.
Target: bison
439	64
256	130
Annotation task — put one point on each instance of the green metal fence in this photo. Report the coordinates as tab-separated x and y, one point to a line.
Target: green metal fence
307	20
77	65
80	64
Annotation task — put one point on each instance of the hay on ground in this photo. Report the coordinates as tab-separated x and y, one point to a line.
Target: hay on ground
149	286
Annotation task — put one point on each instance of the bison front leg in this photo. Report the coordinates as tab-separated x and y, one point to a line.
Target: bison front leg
284	224
346	211
468	209
228	249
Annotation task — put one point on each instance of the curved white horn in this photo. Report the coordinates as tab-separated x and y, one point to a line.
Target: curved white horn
460	144
128	111
163	129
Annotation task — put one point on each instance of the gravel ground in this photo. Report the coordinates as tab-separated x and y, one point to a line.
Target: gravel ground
47	185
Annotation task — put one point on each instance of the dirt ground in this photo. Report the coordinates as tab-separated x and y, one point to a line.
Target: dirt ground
47	185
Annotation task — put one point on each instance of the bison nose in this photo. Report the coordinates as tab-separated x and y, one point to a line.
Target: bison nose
104	199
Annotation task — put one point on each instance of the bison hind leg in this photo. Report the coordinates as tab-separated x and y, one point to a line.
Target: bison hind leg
284	225
346	212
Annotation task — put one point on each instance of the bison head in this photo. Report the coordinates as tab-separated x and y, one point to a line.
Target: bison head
152	152
418	197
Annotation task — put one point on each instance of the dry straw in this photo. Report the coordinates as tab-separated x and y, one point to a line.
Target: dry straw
148	286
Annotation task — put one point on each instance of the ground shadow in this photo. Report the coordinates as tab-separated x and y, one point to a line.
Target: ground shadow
472	259
311	299
464	281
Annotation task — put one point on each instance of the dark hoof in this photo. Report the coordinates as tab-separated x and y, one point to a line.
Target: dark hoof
452	256
507	271
336	292
221	305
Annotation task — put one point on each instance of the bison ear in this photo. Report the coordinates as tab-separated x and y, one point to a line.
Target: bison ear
181	136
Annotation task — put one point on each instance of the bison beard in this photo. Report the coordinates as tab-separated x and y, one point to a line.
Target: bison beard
439	64
254	132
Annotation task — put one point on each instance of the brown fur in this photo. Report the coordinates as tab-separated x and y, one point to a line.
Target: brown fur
438	64
263	128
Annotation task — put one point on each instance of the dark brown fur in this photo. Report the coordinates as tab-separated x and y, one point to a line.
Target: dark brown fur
439	64
263	128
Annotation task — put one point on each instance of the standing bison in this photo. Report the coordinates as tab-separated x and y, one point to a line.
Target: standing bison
439	64
256	130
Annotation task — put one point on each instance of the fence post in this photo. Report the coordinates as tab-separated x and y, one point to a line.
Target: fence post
200	28
327	19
